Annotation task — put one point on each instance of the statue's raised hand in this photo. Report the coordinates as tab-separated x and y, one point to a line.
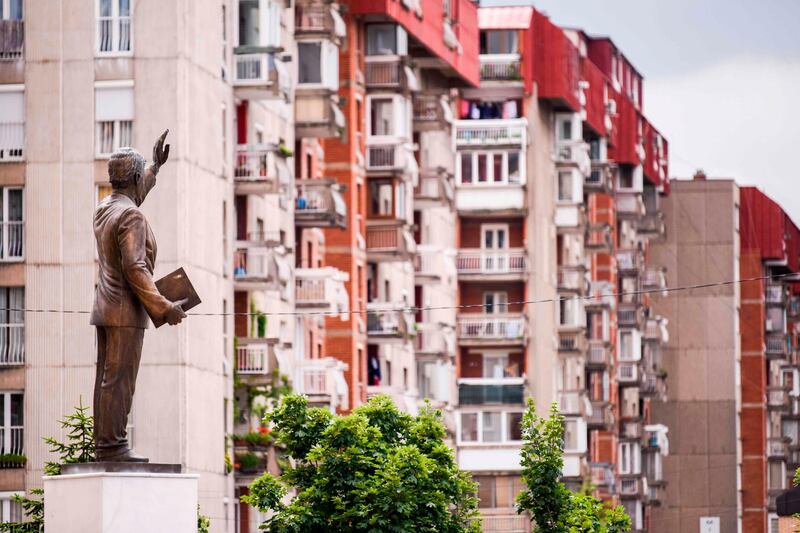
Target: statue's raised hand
160	152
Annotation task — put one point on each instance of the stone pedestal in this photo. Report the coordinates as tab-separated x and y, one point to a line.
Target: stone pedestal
98	498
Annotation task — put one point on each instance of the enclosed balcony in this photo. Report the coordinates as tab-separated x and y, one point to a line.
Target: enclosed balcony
483	391
317	113
501	67
633	487
388	322
777	346
435	339
651	225
322	289
489	439
599	238
319	204
778	398
655	329
490	179
602	416
494	264
571	339
323	382
629	261
628	373
431	112
12	39
570	218
317	19
572	280
492	133
654	279
259	75
260	268
435	188
601	296
508	522
260	169
432	264
630	205
574	403
629	315
778	448
390	156
599	355
600	179
389	242
505	328
389	72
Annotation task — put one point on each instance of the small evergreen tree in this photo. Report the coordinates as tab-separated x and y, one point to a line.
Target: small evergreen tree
553	507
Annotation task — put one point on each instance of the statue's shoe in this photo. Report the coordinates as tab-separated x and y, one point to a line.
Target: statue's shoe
128	456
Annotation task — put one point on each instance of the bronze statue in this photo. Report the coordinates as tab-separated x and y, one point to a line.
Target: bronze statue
125	295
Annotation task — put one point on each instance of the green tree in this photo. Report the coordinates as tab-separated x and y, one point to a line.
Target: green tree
375	470
553	507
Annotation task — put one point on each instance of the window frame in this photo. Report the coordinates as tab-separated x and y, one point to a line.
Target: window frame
328	65
490	177
116	22
4	256
504	428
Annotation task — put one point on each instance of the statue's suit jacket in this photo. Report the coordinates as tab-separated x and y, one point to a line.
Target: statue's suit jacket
126	249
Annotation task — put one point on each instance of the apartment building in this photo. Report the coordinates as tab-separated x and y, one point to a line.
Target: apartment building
733	410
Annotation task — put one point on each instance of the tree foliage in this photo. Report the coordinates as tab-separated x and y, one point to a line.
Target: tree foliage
375	470
553	507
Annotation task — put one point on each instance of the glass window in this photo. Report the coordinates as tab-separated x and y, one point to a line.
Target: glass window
381	200
513	167
381	116
483	168
565	182
626	346
381	39
425	370
494	365
469	427
497	167
466	167
570	435
492	427
310	70
514	421
565	130
486	491
498	42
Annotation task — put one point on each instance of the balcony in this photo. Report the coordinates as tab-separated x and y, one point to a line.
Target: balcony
651	385
319	19
261	239
259	268
492	133
570	218
603	476
574	154
774	294
633	487
504	523
599	238
389	242
475	328
629	261
629	315
323	382
654	279
651	225
258	75
629	205
777	398
655	329
431	112
497	264
778	448
12	247
260	169
12	39
388	322
255	356
389	157
574	403
628	373
571	341
435	339
389	72
601	296
572	279
12	141
322	289
601	417
486	391
317	113
435	188
777	346
501	67
600	179
12	344
599	355
431	264
319	204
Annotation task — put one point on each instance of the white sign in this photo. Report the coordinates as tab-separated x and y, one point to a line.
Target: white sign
709	524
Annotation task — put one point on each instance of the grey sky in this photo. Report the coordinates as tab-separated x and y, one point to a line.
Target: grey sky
721	80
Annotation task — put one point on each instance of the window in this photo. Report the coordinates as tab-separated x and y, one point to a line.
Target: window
565	186
630	348
381	197
488	168
114	32
260	24
318	64
10	9
630	455
113	109
490	426
499	42
495	302
11	424
494	365
12	122
10	511
572	436
498	491
382	117
224	43
12	326
386	39
12	224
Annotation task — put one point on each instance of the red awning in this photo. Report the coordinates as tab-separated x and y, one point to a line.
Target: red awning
505	18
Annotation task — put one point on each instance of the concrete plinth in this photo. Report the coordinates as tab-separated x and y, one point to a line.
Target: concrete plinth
120	502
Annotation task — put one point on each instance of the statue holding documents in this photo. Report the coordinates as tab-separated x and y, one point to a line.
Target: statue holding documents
126	295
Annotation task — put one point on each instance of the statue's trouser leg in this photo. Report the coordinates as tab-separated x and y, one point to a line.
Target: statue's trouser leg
119	350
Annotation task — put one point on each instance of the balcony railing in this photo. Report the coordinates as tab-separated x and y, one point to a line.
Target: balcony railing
324	378
651	224
629	205
259	169
387	242
500	67
488	261
777	447
599	354
603	475
12	141
511	523
628	372
655	329
260	75
599	238
632	487
253	359
493	327
492	132
571	341
431	263
629	260
12	344
434	339
775	294
12	440
387	319
12	241
777	345
572	279
431	111
321	288
319	18
317	113
393	155
388	72
481	391
629	315
602	415
601	295
12	39
654	279
777	398
254	264
319	204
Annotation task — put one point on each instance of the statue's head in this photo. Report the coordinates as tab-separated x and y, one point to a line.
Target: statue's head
126	172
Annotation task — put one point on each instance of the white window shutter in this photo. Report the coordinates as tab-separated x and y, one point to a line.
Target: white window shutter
113	103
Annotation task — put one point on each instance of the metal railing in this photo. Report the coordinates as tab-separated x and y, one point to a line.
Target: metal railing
428	108
254	69
501	327
777	397
385	239
12	39
505	524
12	141
428	262
384	318
654	278
12	439
314	18
309	290
777	344
774	294
628	259
628	314
252	263
384	71
628	372
480	391
602	474
487	261
12	240
256	166
491	131
599	355
252	359
571	341
500	67
12	344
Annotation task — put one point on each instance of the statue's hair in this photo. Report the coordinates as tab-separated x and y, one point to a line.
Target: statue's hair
123	166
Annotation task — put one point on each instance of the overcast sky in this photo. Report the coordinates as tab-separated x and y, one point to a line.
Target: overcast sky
722	80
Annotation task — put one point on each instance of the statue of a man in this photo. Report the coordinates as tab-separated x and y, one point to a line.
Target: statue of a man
125	295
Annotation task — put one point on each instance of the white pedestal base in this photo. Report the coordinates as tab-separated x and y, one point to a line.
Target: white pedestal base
121	503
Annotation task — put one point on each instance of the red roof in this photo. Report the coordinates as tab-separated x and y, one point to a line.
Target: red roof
766	228
505	18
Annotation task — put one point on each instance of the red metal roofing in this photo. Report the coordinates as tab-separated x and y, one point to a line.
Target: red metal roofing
505	18
766	228
595	96
556	68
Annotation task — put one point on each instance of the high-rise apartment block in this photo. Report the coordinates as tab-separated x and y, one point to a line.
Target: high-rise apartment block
419	198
